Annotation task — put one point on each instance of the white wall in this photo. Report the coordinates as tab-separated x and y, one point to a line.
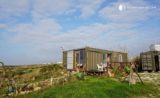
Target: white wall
70	59
154	47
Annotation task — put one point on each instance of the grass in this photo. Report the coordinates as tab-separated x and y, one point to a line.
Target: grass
93	87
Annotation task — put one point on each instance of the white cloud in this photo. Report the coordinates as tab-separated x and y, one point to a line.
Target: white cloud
35	32
89	7
40	9
45	38
132	11
48	32
3	26
50	7
13	8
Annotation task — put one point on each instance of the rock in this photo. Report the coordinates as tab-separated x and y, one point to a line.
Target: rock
37	88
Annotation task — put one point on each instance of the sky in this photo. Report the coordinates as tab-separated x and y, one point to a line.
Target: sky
35	31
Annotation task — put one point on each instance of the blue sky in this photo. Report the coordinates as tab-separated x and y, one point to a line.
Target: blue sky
33	31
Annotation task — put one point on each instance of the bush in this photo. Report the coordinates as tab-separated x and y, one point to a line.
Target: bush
80	76
52	67
127	69
114	70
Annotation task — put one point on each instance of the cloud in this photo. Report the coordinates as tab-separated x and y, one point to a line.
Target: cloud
3	26
13	8
49	8
35	32
131	11
45	37
48	33
39	9
89	7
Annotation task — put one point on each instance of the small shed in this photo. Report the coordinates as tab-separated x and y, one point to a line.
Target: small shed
89	57
150	60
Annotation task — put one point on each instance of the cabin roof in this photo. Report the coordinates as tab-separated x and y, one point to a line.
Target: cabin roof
95	49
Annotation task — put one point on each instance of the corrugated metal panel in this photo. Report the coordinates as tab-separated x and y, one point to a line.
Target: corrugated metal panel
147	63
64	58
93	58
70	59
119	57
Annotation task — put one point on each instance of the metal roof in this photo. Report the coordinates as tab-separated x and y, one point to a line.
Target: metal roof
95	49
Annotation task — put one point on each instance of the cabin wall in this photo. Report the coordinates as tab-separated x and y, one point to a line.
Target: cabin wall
119	57
93	58
70	60
65	59
148	61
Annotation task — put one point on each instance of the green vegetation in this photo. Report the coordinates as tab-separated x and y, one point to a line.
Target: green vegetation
94	87
50	70
22	75
127	69
77	86
80	76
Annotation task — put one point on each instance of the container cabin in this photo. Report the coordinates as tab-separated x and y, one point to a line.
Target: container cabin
150	61
88	58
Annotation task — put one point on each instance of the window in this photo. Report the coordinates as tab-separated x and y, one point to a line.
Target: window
120	58
104	58
80	57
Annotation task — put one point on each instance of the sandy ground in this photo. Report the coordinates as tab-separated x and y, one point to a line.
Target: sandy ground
151	77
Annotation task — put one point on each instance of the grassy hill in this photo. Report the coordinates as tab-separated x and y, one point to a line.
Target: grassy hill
23	75
95	87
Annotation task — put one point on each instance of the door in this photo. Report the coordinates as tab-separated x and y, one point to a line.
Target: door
105	60
109	58
120	58
70	60
157	62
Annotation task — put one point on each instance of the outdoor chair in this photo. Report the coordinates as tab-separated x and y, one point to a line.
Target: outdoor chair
100	68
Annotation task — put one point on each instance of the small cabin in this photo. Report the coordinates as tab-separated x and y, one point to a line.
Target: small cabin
150	61
89	58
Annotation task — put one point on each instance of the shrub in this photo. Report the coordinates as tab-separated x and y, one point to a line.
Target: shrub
127	69
80	76
115	68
